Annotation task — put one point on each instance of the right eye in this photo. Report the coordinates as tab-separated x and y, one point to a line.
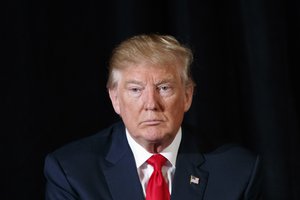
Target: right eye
135	91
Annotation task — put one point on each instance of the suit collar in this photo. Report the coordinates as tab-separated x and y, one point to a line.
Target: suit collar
190	180
120	170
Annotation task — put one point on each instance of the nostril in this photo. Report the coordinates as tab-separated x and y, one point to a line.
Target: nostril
150	106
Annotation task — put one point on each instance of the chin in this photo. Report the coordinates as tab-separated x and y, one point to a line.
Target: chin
156	136
151	135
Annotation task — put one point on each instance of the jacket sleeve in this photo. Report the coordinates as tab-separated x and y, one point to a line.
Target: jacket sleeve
57	184
254	187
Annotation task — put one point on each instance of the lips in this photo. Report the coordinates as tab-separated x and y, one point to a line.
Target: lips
153	122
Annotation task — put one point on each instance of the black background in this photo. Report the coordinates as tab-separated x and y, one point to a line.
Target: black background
54	71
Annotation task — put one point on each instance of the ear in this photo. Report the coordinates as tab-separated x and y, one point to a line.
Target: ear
113	95
189	92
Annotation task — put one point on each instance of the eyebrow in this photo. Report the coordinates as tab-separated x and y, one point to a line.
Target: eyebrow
169	80
134	82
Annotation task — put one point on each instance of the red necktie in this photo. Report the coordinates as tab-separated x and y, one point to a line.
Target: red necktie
157	188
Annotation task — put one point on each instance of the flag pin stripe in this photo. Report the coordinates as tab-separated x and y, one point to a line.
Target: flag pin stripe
194	180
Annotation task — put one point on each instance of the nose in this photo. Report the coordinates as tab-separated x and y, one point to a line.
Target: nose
152	100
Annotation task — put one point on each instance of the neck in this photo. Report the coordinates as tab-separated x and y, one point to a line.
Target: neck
154	148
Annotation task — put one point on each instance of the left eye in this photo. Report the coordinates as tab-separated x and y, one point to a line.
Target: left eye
135	89
164	88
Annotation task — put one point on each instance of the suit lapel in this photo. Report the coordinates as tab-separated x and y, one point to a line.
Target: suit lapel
123	181
120	171
189	180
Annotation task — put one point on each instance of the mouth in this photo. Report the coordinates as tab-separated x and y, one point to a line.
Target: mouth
153	122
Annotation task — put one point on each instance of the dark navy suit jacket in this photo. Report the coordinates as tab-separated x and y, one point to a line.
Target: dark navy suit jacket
102	167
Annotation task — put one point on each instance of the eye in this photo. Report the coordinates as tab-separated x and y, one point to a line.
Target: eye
135	89
165	90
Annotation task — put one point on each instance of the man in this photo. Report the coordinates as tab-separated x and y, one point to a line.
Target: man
150	88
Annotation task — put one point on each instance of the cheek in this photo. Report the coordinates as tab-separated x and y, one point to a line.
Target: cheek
129	107
176	108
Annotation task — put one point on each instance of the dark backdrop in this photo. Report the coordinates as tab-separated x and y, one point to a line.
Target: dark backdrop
54	69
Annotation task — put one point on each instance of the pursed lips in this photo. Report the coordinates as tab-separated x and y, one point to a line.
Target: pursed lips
151	122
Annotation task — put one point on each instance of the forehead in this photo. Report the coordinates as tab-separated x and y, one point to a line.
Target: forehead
149	70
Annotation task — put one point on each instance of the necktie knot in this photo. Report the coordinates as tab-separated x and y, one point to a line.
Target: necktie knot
157	161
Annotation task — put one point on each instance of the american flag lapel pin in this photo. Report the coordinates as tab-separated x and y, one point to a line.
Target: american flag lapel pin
194	180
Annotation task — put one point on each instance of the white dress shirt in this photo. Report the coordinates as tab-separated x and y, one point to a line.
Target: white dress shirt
145	170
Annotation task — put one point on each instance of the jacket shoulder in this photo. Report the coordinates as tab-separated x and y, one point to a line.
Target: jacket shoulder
233	159
97	143
232	151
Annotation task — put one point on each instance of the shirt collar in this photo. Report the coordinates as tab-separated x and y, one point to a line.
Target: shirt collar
141	155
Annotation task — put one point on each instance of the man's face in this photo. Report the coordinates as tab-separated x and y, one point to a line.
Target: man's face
151	101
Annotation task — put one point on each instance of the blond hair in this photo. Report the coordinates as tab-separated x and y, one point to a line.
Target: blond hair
153	48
